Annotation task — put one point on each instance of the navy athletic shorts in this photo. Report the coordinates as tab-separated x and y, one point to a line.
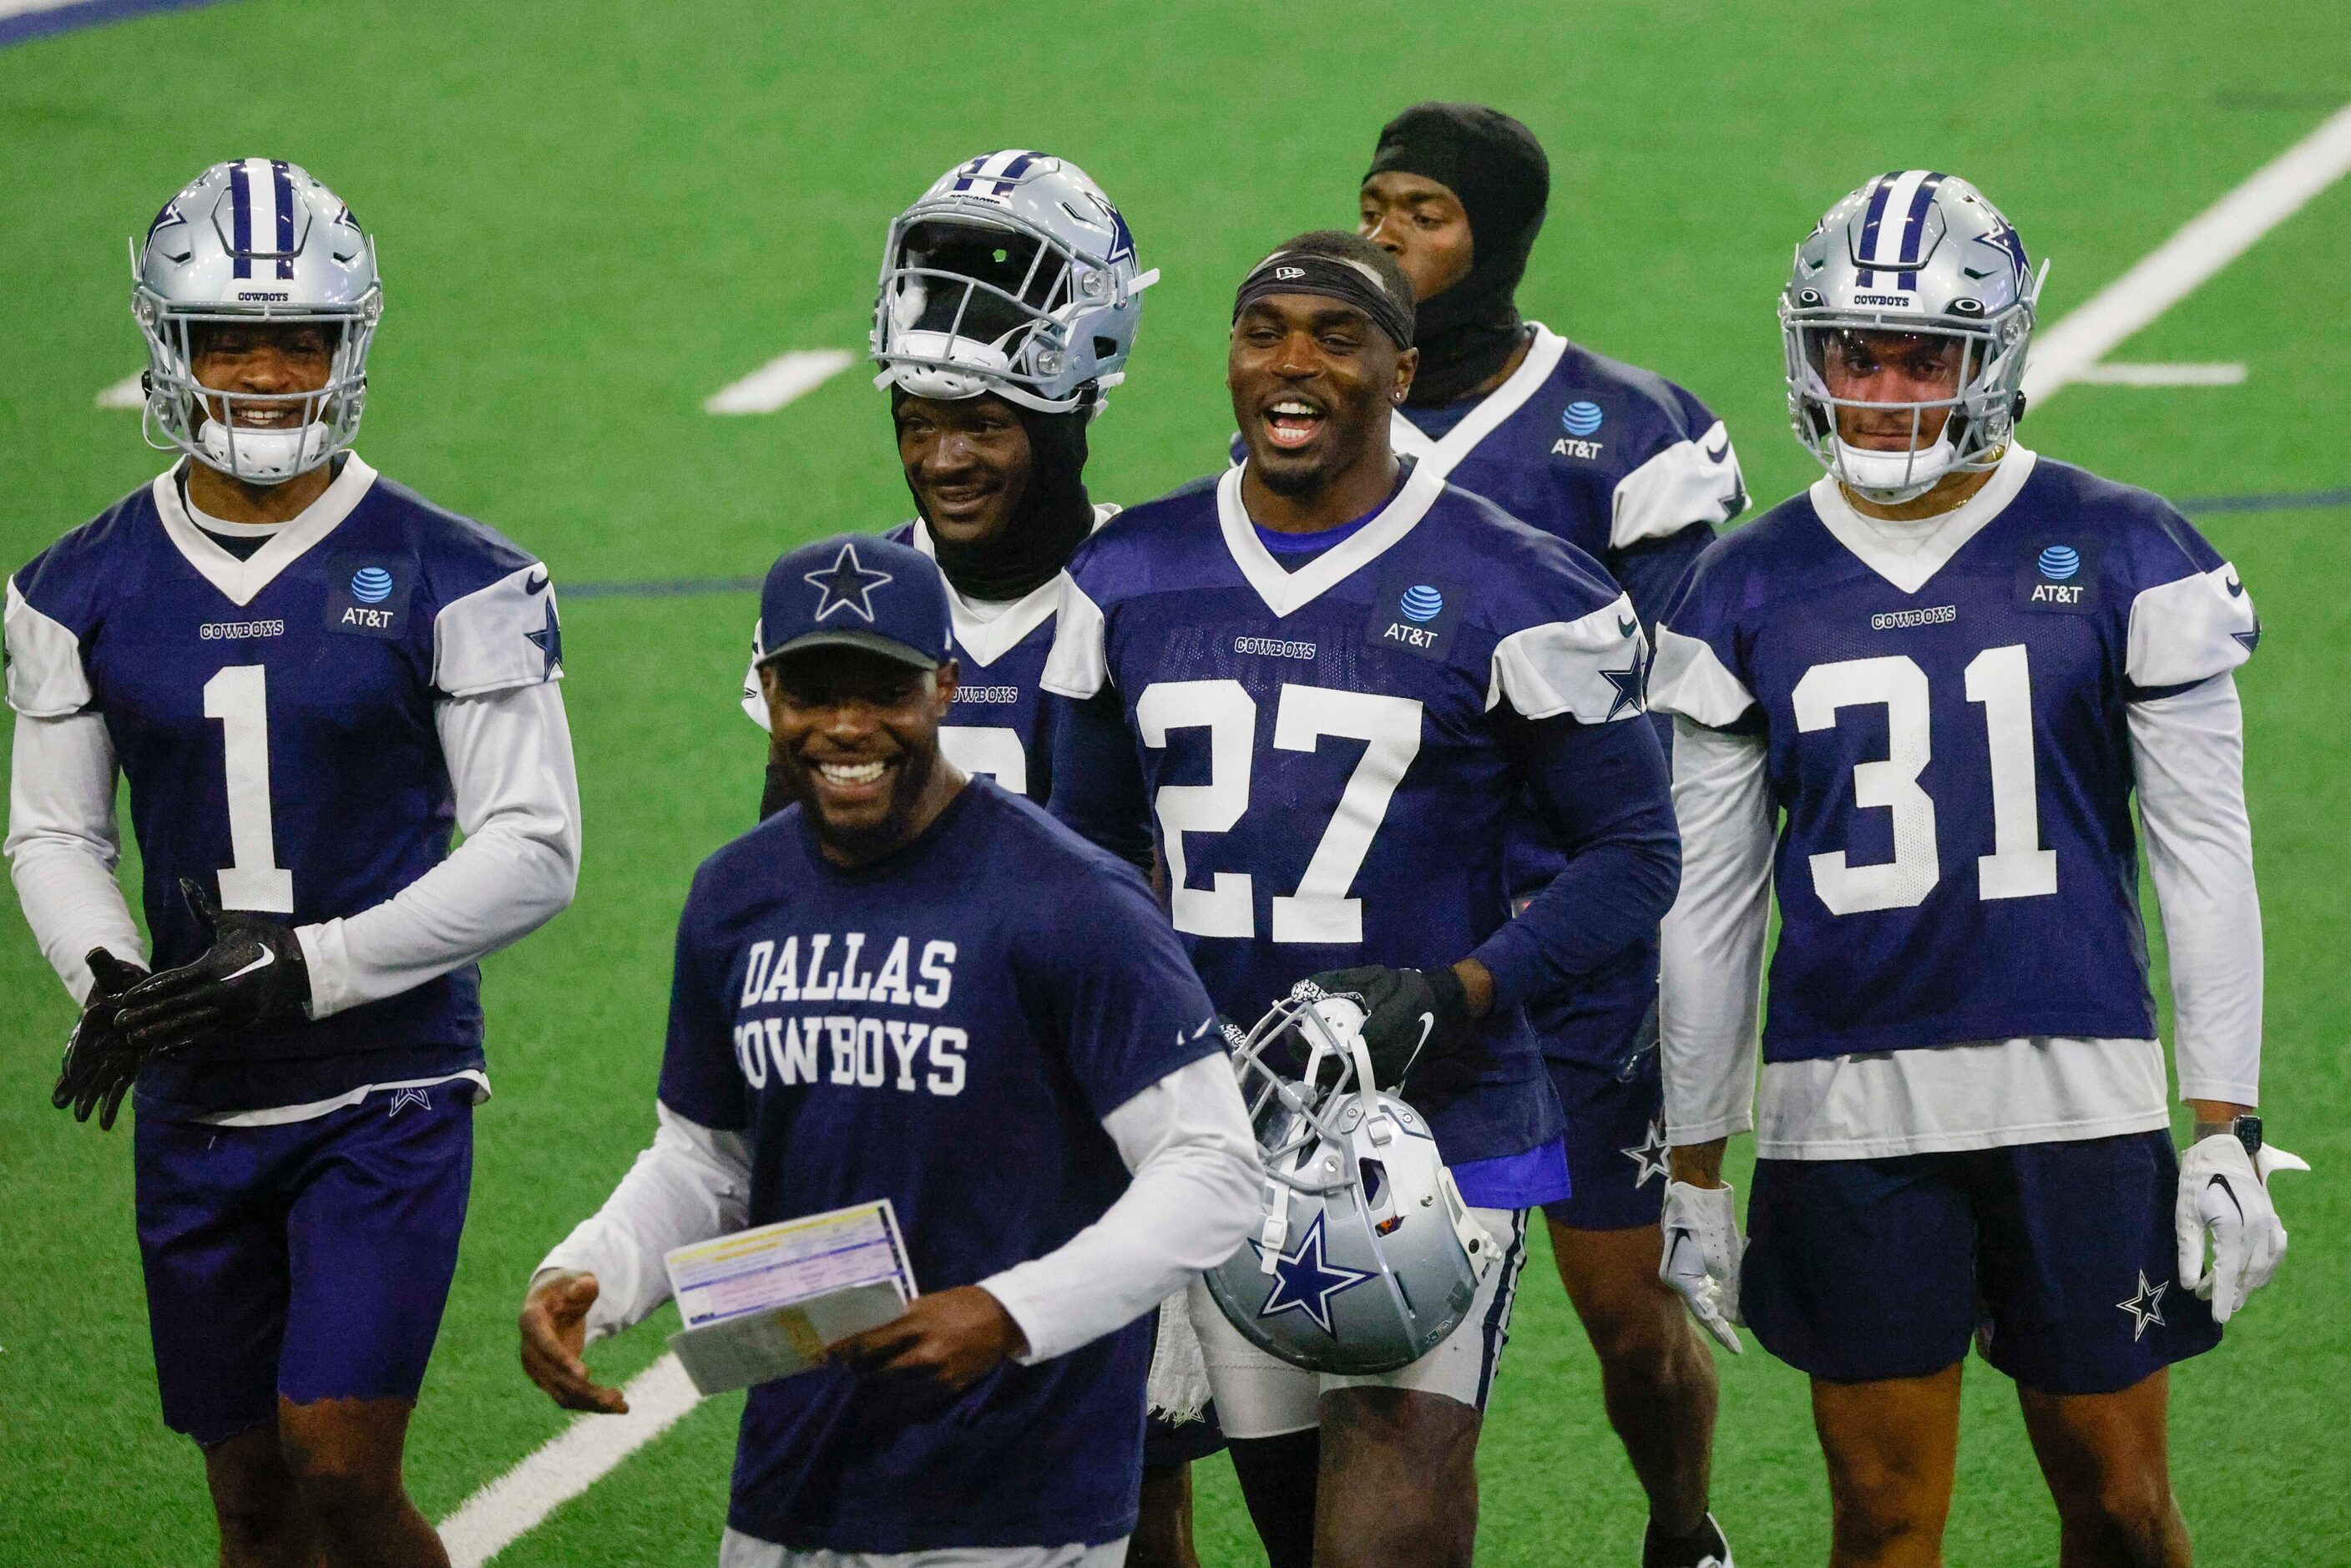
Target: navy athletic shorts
2057	1260
1615	1142
311	1260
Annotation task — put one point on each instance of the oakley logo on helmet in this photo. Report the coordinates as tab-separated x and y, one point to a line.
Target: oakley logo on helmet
846	584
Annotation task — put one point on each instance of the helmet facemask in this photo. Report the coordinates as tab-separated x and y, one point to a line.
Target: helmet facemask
181	413
1980	413
1013	276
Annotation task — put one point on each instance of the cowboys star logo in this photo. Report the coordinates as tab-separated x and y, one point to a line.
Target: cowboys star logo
2146	1306
846	584
1649	1156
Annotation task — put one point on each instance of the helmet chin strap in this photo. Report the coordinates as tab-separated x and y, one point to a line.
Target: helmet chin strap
1891	478
265	457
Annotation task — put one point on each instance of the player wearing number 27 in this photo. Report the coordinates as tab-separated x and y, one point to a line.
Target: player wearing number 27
309	676
1947	668
1328	678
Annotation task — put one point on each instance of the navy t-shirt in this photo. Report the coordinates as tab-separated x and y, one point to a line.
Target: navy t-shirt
945	1029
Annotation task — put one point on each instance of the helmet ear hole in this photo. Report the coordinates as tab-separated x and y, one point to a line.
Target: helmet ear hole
1808	299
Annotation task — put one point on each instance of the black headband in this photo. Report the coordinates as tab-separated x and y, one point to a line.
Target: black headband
1335	278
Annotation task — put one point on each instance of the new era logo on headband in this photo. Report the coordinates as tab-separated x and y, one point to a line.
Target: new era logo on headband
1287	273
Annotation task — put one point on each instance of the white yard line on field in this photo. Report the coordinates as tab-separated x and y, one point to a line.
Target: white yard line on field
2114	373
2071	350
779	380
570	1462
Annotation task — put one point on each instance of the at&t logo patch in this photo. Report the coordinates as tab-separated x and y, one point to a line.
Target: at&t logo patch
1582	419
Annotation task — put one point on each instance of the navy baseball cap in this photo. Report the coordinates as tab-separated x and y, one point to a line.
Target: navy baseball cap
853	590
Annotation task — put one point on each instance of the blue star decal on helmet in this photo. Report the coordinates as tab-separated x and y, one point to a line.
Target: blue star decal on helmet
549	641
846	584
1304	1282
1628	682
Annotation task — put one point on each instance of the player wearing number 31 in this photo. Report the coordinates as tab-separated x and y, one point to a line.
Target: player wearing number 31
309	676
1949	664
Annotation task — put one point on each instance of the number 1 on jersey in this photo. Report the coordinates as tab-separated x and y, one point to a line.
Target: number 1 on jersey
239	698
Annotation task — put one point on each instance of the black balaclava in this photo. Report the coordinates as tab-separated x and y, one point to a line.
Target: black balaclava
1495	166
1052	518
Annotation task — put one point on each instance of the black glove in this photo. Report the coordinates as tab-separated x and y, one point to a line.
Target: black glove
1410	1015
252	974
100	1063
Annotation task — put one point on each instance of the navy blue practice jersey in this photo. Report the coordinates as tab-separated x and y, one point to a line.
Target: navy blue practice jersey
947	1029
1323	750
1948	736
274	716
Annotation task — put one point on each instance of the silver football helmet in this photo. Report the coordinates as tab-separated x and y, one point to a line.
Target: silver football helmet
1013	275
1366	1257
257	239
1922	253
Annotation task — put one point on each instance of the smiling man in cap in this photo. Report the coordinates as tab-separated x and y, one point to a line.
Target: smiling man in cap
913	985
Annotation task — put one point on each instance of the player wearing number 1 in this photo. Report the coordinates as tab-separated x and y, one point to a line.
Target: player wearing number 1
1949	666
309	676
1328	678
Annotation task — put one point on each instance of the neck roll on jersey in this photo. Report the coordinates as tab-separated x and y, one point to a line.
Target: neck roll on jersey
1495	165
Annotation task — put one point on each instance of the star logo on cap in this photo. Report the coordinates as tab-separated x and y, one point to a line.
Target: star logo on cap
1304	1282
846	584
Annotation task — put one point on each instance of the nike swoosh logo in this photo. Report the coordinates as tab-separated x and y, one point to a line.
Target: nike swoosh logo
1427	1022
536	584
1717	453
267	959
2236	589
2222	1183
1626	628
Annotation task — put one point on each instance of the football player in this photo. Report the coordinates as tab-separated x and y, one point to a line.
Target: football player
1317	685
1952	663
1010	301
914	986
309	676
1635	471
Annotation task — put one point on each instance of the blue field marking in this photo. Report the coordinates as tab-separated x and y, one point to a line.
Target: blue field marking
683	588
2291	501
77	14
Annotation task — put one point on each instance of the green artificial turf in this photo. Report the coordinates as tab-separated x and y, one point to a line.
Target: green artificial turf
590	218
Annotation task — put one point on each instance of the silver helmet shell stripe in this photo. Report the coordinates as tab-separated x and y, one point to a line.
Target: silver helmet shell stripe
1366	1257
1915	251
254	239
1013	275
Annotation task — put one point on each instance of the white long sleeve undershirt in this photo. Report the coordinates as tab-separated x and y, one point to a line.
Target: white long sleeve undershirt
2188	755
1186	1141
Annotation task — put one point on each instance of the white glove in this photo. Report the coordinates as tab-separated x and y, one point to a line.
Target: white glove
2224	1194
1703	1251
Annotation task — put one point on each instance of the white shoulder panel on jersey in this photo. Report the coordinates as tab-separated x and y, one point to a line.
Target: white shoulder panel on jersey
507	634
1688	482
1079	666
1589	668
1688	680
45	679
2188	631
